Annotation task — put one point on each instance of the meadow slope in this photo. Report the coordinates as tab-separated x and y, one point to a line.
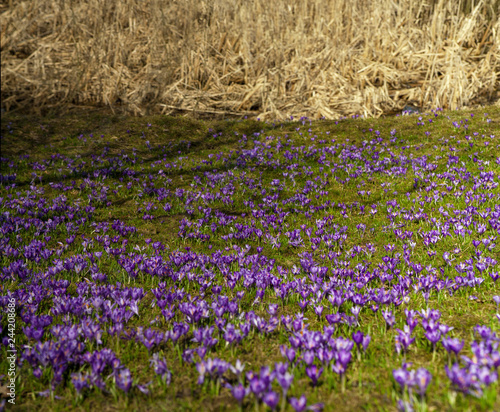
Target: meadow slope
168	263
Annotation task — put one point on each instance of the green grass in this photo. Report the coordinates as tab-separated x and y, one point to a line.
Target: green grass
192	148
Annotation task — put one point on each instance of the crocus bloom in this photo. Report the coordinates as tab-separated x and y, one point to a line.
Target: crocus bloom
280	368
357	337
460	378
433	336
123	379
314	373
299	405
272	309
496	299
257	386
389	318
80	381
160	368
289	353
239	392
452	345
285	381
422	380
344	357
238	368
366	342
309	357
403	376
271	399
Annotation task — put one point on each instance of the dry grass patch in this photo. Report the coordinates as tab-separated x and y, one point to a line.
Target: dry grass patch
259	58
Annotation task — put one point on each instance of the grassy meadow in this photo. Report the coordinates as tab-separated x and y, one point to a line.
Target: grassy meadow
170	263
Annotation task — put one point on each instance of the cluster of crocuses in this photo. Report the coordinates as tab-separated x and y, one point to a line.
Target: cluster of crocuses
433	329
260	384
478	372
245	204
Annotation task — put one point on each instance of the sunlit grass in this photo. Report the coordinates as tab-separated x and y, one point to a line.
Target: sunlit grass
158	215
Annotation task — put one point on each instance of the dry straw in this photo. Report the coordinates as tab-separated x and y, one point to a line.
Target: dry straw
268	59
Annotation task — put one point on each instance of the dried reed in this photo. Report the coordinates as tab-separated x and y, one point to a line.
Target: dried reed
268	59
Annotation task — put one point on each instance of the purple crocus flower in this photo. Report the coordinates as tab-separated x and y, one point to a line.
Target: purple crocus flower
404	339
460	378
38	372
340	369
280	368
318	310
295	341
271	399
333	318
144	388
366	342
389	318
160	368
357	337
202	370
272	309
452	345
444	329
433	336
239	392
314	373
430	324
343	357
238	368
496	299
299	405
324	355
316	407
411	319
288	353
123	379
422	380
267	375
486	376
303	303
80	381
494	275
285	381
257	386
403	376
308	357
405	406
356	310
